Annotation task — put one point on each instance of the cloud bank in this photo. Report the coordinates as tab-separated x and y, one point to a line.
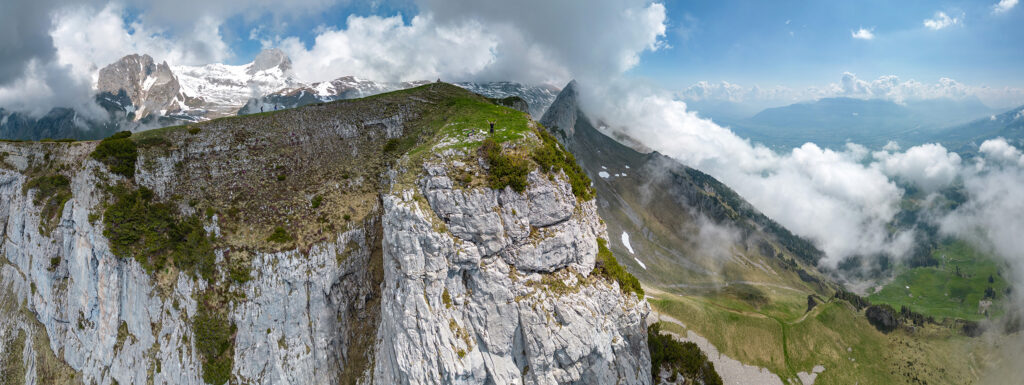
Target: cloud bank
888	87
81	37
57	46
533	41
825	195
846	200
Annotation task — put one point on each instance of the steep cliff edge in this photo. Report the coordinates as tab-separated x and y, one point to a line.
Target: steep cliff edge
360	241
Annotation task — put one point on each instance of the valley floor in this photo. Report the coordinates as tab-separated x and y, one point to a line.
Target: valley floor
831	344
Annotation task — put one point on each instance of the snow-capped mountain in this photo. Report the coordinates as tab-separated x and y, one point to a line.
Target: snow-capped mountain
151	87
222	89
138	93
346	87
537	97
349	87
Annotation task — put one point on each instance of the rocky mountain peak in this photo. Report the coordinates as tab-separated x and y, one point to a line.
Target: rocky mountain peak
268	59
150	86
561	116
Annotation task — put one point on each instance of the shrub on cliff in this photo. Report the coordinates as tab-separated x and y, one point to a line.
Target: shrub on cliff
52	192
552	157
606	265
505	170
119	153
148	231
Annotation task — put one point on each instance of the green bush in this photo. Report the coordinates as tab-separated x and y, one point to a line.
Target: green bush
239	273
679	358
279	236
446	298
149	231
52	192
505	170
317	200
398	146
119	153
153	141
606	265
215	340
551	157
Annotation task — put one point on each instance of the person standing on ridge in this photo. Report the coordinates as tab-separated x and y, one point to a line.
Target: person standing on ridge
492	126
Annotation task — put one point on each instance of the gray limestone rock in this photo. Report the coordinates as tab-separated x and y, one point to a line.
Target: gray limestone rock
440	285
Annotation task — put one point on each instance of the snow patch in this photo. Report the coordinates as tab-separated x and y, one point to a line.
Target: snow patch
640	263
625	242
603	174
150	80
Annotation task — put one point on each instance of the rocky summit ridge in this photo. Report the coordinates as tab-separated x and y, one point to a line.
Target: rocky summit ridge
384	240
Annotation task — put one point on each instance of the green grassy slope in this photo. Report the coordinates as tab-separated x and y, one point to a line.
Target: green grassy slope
785	340
952	289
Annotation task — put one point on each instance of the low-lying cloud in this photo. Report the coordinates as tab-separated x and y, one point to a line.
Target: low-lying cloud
888	87
845	200
828	196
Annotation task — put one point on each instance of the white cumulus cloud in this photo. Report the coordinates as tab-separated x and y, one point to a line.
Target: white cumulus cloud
1000	151
530	42
384	48
1004	6
940	21
930	166
863	33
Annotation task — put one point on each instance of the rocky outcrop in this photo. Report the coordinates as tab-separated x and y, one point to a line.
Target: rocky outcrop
503	294
537	97
152	87
269	59
561	116
436	283
112	321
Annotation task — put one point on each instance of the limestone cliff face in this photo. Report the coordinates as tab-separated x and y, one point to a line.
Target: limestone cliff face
502	296
436	283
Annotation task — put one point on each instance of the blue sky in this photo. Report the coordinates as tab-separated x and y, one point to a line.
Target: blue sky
750	42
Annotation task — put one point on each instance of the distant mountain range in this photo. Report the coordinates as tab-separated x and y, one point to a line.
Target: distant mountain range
138	93
833	122
966	138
